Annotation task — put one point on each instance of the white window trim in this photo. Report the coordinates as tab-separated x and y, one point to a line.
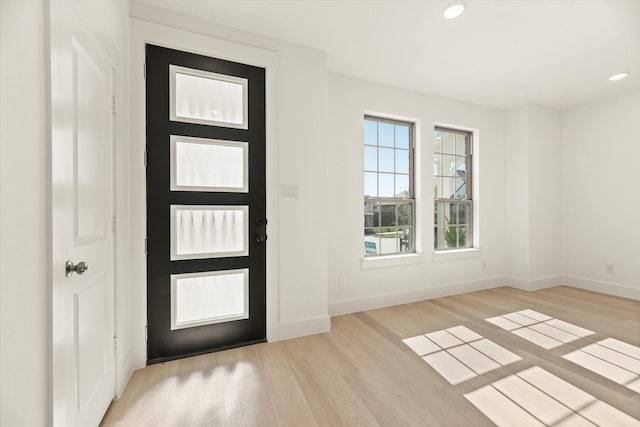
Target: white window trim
175	69
391	260
455	254
174	256
175	325
175	139
417	256
439	255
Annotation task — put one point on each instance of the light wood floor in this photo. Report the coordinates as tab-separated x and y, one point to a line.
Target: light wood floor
361	373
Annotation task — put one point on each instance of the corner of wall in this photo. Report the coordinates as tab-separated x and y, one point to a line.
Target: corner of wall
535	284
300	328
534	235
517	195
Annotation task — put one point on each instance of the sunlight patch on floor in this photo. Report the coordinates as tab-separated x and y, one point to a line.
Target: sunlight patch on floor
535	397
459	354
612	359
539	328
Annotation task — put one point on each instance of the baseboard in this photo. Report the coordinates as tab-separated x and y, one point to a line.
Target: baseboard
125	373
300	328
602	287
535	284
385	300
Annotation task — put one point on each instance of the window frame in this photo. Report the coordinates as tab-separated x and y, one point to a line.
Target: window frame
468	201
397	201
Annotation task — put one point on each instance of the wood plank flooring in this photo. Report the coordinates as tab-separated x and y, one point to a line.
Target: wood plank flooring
362	374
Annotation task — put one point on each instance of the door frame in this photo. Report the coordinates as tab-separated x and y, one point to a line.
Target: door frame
143	32
166	202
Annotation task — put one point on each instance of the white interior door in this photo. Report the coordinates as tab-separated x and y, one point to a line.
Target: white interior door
82	203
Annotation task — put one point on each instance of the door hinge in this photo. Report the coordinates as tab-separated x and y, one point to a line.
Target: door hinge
146	333
144	70
114	225
115	344
113	105
145	157
146	242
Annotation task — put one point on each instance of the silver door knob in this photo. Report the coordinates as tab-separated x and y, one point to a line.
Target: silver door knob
79	268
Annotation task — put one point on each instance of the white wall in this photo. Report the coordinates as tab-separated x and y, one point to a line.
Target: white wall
533	197
349	99
296	155
302	161
24	229
600	204
544	195
517	194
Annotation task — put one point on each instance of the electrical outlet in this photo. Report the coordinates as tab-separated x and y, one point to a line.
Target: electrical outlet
609	268
484	265
342	282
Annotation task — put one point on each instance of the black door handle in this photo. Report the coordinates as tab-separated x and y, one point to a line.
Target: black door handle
260	222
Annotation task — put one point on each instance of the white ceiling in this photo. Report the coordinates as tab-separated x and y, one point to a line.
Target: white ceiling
501	53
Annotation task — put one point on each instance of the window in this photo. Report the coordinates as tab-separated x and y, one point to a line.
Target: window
207	98
452	189
389	204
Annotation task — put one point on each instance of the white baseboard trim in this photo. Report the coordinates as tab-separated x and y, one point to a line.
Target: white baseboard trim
386	300
602	287
125	372
390	299
300	328
534	284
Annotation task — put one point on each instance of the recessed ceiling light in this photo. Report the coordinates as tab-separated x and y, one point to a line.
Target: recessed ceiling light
454	10
618	76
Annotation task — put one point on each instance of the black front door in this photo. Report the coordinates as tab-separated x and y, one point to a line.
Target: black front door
206	225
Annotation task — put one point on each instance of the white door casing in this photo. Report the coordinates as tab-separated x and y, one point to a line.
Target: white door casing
82	129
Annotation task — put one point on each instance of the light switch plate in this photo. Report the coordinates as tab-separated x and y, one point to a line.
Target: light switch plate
289	191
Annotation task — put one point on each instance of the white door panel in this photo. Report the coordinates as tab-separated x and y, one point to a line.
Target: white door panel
91	119
82	204
90	331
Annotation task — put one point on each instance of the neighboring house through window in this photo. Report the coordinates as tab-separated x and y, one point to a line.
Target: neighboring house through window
452	185
389	203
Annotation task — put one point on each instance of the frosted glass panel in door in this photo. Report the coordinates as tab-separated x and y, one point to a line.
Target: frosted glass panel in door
208	98
209	231
211	297
199	164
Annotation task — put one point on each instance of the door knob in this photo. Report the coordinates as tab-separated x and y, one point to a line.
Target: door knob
261	222
260	238
79	268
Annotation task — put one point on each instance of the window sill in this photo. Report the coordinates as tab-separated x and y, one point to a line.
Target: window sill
391	261
457	254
